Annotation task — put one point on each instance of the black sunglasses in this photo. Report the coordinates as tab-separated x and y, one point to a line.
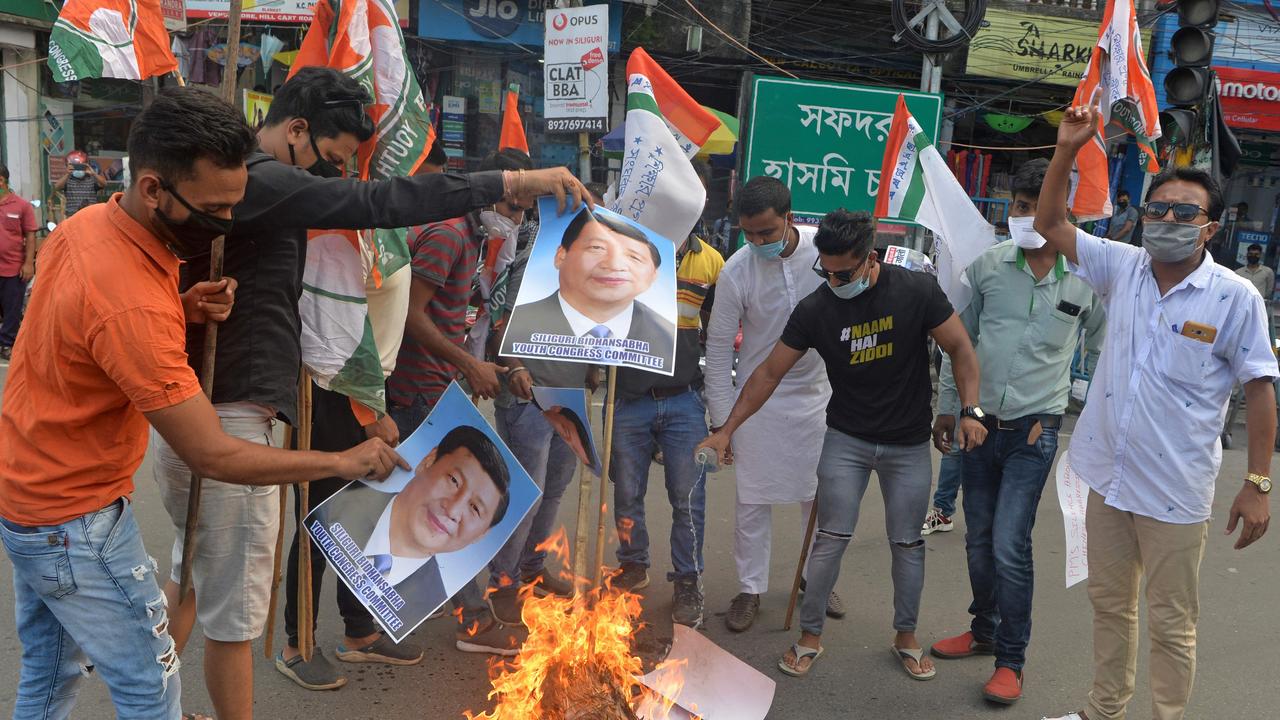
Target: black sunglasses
844	276
1182	212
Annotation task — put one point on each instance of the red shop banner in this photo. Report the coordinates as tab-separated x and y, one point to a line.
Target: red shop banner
1250	98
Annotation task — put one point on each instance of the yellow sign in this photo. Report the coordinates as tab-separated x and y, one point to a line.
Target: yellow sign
1023	46
255	107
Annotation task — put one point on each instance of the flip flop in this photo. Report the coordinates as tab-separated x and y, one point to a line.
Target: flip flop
904	654
801	652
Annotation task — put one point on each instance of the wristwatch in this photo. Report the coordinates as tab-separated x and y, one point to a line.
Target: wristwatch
973	411
1262	481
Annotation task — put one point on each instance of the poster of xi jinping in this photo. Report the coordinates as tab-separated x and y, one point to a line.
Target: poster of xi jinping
598	289
404	546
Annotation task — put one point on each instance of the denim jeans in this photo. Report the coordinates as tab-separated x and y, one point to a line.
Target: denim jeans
1003	480
469	598
944	498
550	462
87	589
677	423
408	418
843	475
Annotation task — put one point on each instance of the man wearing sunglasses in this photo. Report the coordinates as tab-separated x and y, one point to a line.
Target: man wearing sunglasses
870	323
316	123
1183	330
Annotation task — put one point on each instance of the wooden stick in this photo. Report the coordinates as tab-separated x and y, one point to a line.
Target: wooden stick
584	515
804	555
206	383
267	649
306	639
231	74
610	399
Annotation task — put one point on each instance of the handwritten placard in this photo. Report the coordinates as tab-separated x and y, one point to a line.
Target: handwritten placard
1073	498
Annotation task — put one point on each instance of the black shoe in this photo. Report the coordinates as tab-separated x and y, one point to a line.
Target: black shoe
742	611
630	577
686	603
6	353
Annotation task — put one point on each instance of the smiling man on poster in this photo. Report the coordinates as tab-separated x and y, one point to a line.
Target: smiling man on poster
458	492
604	265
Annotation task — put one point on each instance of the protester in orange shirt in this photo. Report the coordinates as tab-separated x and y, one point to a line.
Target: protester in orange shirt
102	354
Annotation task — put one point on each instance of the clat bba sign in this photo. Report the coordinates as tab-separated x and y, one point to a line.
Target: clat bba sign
576	69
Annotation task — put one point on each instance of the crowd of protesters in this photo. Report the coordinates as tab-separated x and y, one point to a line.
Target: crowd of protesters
818	371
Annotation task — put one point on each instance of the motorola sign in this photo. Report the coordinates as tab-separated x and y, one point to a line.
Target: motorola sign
576	69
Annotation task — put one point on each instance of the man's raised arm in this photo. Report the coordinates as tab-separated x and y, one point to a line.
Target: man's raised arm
1079	127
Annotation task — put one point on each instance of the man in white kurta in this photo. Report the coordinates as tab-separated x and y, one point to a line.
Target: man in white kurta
776	451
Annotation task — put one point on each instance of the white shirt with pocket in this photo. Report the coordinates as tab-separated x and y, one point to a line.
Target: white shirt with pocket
1148	438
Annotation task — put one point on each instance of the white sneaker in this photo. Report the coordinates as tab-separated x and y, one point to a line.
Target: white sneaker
935	521
1068	716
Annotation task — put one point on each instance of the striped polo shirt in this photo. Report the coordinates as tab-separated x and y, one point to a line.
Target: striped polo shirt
445	254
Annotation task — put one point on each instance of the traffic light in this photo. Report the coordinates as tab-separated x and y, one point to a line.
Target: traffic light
1189	85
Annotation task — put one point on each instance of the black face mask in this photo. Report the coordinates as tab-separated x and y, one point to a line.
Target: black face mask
321	167
192	236
1122	204
1254	259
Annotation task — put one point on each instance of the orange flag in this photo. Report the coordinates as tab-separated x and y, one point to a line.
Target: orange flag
512	129
1118	79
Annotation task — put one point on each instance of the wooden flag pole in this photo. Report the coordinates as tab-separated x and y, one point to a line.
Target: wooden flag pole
584	514
267	649
306	639
804	556
211	328
610	399
206	383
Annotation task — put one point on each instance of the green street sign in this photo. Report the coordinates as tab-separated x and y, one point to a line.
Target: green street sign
826	140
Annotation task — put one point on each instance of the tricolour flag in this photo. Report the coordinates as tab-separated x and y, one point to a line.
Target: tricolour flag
1118	74
917	185
658	186
123	39
362	39
512	128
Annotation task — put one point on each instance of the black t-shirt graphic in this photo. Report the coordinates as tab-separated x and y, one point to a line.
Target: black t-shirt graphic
876	352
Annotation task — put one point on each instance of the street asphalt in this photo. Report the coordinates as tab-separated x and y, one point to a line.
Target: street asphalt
1238	638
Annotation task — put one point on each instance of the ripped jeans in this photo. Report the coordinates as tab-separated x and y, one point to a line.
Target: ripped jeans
843	474
87	589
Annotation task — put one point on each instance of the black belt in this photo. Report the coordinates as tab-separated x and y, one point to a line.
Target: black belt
1049	422
662	393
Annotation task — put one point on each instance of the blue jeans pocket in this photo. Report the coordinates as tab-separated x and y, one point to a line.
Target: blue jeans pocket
42	560
102	527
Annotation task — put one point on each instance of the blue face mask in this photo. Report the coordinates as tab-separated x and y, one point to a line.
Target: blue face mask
773	250
850	290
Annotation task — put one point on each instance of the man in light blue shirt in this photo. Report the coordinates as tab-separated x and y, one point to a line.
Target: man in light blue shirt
1025	320
1182	330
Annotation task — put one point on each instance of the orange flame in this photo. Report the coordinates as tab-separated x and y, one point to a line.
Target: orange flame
572	640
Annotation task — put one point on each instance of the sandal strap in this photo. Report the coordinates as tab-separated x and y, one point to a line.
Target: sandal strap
913	653
801	652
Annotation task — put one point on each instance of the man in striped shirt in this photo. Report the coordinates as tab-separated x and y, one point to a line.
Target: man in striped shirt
445	257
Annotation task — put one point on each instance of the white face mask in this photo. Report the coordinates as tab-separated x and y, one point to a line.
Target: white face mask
1023	232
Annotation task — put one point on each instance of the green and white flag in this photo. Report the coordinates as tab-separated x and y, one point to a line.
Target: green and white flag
109	38
917	185
657	186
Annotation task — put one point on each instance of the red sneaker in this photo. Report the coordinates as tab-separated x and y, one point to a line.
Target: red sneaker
1004	687
960	646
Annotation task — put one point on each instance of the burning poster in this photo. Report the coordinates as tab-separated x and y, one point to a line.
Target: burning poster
598	289
566	410
406	545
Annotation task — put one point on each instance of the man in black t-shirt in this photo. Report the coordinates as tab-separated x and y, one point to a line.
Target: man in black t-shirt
870	323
